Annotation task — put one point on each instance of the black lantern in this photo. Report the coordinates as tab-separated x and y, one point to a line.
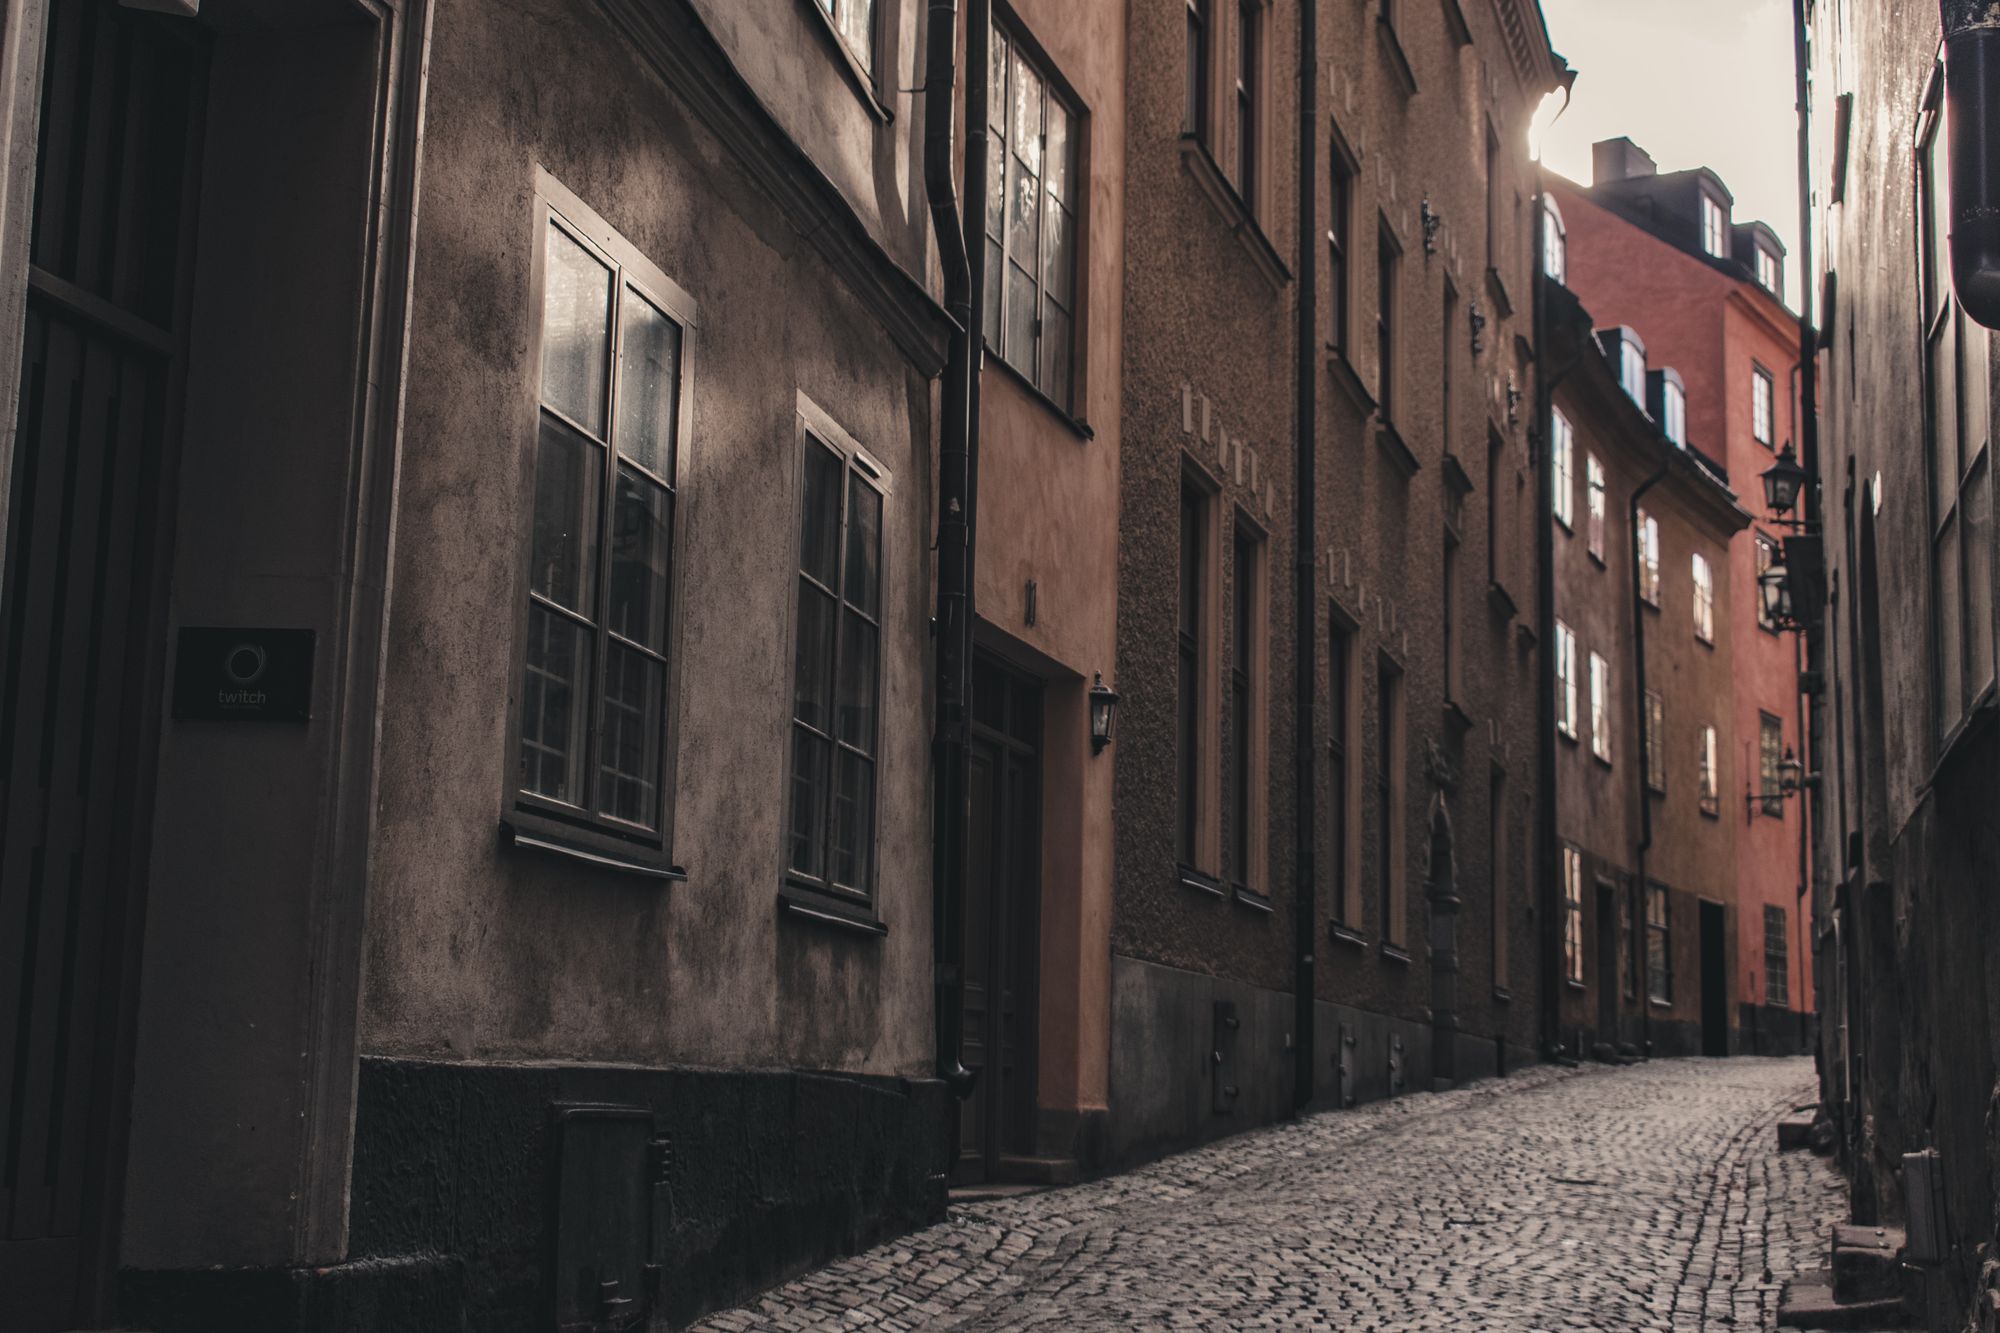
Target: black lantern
1103	713
1783	481
1775	586
1790	772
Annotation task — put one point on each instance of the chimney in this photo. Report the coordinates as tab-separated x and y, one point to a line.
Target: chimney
1618	160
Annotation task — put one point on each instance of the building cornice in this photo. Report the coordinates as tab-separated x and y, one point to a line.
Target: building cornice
671	37
1526	34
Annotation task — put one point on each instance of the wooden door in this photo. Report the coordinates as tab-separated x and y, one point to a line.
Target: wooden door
81	642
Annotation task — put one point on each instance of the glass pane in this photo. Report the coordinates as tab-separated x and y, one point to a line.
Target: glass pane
576	331
628	762
1026	132
569	485
996	185
1976	525
1023	218
1059	253
863	588
996	272
649	366
1951	643
805	829
1977	371
1057	340
1060	163
854	823
860	665
1944	409
996	84
857	25
819	513
1019	349
812	659
553	690
641	541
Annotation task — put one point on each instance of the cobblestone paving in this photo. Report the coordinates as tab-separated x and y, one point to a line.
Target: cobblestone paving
1651	1197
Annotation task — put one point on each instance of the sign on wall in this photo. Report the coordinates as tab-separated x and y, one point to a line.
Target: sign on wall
243	675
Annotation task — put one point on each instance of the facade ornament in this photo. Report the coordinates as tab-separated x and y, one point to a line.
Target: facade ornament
1478	318
1432	221
1438	768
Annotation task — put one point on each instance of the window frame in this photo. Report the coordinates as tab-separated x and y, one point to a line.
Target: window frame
1244	783
1770	273
1659	925
1763	406
1555	243
863	65
1646	539
1714	225
1600	707
1673	412
1595	502
1709	777
1249	98
1765	554
1200	56
1342	172
1391	871
1197	838
1344	829
1701	573
1388	278
1777	958
1572	926
528	818
1562	466
812	425
1770	755
1655	741
1566	682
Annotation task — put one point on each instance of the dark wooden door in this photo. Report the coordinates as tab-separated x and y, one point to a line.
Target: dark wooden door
1003	888
1714	982
80	627
1607	964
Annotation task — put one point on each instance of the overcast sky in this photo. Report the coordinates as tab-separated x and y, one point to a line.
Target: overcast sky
1694	83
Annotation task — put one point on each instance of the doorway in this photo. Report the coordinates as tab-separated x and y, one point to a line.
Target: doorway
1002	920
1607	964
1714	982
81	613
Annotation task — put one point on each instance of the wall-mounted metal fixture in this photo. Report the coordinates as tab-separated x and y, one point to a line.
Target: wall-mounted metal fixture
1478	319
1792	779
1972	101
1783	481
1028	597
1432	221
1513	401
1103	713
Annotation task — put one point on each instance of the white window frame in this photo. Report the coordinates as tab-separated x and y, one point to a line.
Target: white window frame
1594	504
1555	243
1646	539
1600	707
1673	412
1572	890
1566	680
1562	462
854	22
1632	370
1712	226
1768	274
1703	576
1763	407
1710	789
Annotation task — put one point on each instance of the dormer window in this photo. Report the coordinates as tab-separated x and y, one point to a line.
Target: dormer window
1632	366
1674	413
1555	244
1712	226
1769	275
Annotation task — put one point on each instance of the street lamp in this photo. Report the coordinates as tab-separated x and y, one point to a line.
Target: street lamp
1791	773
1103	713
1775	586
1782	481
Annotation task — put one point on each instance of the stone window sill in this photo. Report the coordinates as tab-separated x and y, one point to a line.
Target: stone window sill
1234	210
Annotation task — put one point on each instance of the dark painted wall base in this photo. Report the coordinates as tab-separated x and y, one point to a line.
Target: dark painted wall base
763	1176
1764	1029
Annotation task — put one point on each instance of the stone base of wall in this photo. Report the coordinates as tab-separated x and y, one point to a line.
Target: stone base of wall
1763	1029
765	1175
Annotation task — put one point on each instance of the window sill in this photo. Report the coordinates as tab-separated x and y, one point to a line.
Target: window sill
1497	286
1399	62
1597	559
1601	761
1348	381
858	77
1964	736
1501	995
1649	603
1194	879
1502	600
814	906
1456	476
535	838
1711	812
1399	453
1772	630
1340	934
1657	1003
1576	986
1244	896
1394	954
1081	428
1651	790
1456	715
1233	210
1569	736
1454	18
1706	643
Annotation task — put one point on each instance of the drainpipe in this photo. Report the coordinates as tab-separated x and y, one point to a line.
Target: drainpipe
1972	94
1545	634
954	563
1305	613
1640	943
1814	640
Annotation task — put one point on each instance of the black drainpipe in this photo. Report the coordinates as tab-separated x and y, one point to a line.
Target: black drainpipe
954	561
1305	577
1972	92
1642	986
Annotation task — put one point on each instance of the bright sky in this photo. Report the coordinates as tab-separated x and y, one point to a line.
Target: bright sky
1694	83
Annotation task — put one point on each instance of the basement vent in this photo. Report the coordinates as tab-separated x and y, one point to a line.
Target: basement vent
608	1164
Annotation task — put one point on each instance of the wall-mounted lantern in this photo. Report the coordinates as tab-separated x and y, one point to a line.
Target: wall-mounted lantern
1783	481
1103	713
1774	585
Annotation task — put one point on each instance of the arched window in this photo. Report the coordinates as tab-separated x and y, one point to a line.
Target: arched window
1555	243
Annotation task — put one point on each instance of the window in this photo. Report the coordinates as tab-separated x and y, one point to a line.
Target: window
1704	599
837	667
1454	692
1495	457
1674	412
1958	378
595	734
854	20
1498	857
1389	799
1565	680
1555	244
1387	258
1249	57
1339	224
1767	555
1769	275
1711	226
1647	537
1600	707
1188	719
1711	777
1447	359
1572	873
1761	423
1656	750
1198	30
1770	754
1632	368
1031	207
1492	199
1593	474
1628	965
1342	792
1562	460
1245	654
1659	950
1777	959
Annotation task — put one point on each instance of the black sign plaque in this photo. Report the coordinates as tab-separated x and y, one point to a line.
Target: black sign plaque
243	675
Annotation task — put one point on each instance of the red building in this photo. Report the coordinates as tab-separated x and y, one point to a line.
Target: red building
1660	254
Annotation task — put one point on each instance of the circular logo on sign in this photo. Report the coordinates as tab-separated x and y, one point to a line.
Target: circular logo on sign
244	663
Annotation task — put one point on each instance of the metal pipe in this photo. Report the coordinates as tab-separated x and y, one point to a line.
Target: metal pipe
1972	100
953	624
1305	612
1644	991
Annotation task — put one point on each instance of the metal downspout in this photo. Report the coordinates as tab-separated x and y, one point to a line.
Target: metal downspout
1641	945
1305	613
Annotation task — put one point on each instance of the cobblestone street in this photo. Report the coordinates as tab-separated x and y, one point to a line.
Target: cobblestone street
1652	1197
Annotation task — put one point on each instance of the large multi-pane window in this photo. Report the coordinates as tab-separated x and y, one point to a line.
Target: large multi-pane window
1340	785
1193	553
593	737
1572	885
1763	407
1339	230
1388	258
855	21
836	666
1656	749
1777	959
1767	555
1249	80
1704	599
1031	203
1770	755
1565	680
1389	799
1958	377
1562	465
1200	33
1711	226
1659	946
1710	789
1244	648
1646	538
1600	707
1594	504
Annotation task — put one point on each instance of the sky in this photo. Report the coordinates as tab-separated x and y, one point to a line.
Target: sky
1694	83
